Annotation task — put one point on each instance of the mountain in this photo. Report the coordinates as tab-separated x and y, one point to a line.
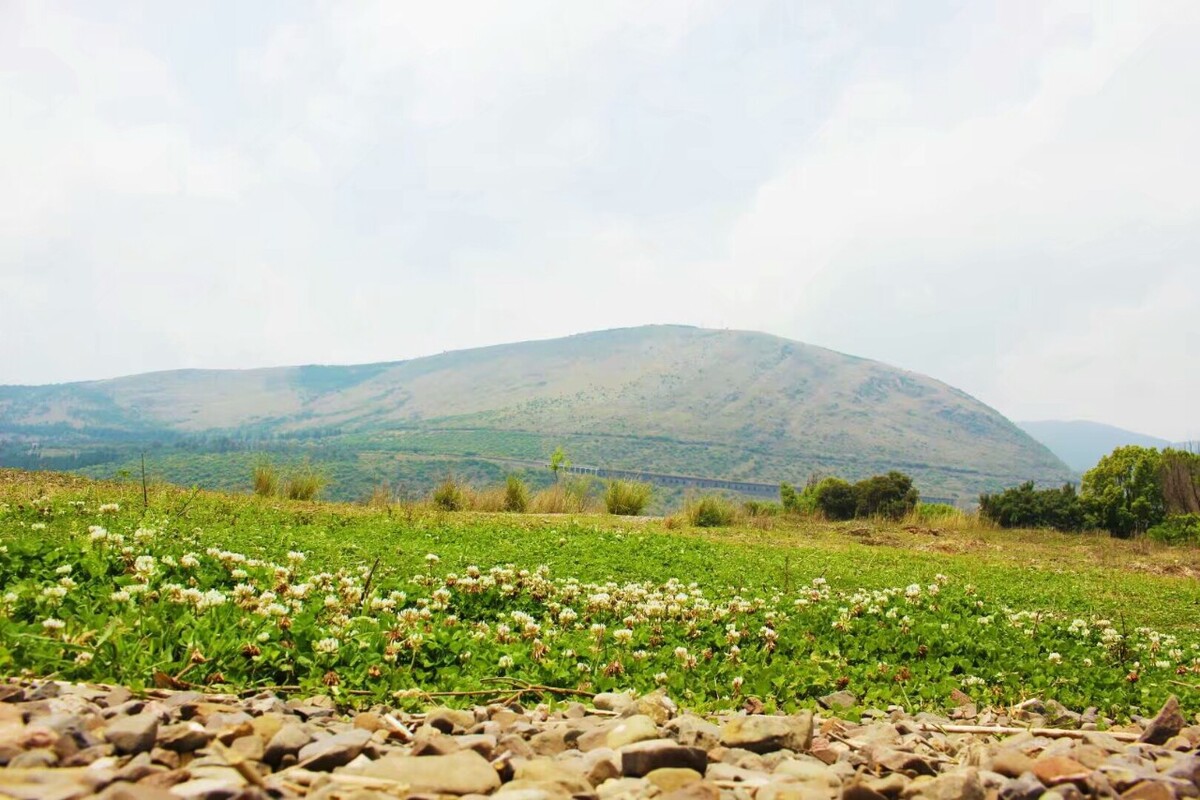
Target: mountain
1081	444
733	405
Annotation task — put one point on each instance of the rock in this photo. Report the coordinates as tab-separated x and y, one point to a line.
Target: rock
450	720
1167	723
287	742
701	790
541	771
762	734
964	784
861	791
638	728
40	758
124	791
183	737
248	748
668	779
206	789
464	772
333	751
134	734
429	741
1149	790
692	731
1023	787
642	758
612	701
841	699
1011	763
1056	770
657	706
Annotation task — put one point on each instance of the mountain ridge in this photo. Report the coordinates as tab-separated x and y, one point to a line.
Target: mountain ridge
729	404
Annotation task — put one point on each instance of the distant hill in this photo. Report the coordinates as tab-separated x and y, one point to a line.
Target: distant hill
1081	444
670	399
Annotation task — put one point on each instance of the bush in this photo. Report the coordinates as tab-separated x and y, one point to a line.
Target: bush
492	499
1177	529
627	498
835	498
564	497
928	512
802	502
892	495
761	508
1026	507
304	485
450	495
516	495
711	511
266	479
1123	493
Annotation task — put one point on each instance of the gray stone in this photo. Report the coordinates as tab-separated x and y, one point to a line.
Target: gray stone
287	742
692	731
1167	723
134	734
183	737
333	751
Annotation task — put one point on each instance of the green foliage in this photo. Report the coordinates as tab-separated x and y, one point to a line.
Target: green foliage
305	483
450	495
1026	507
516	495
559	461
892	495
1177	529
835	498
627	498
762	508
932	512
146	591
266	479
1123	493
711	511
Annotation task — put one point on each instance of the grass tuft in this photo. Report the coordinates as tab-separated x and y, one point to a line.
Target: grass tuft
627	498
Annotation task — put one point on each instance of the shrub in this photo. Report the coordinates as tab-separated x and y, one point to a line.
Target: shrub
493	499
1177	529
802	502
450	495
1123	493
761	508
564	497
381	496
1026	507
266	479
711	511
927	512
516	495
627	498
835	498
306	484
892	495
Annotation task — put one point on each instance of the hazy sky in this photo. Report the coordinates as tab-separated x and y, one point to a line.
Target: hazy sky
1006	197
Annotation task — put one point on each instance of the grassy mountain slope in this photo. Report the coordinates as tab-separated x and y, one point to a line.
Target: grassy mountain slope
1080	444
726	404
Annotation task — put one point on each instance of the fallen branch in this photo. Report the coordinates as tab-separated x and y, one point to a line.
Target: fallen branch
1008	730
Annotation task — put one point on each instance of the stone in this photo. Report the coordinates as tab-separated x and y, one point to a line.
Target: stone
612	701
668	779
206	789
429	741
464	772
1023	787
638	728
1167	723
183	737
333	751
839	700
1055	770
1011	763
248	748
657	706
963	784
125	791
642	758
541	771
1149	790
701	790
450	720
762	734
133	734
692	731
287	742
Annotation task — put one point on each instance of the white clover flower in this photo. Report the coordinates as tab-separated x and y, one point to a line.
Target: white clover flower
265	636
296	557
189	561
660	678
623	635
38	526
913	590
737	684
1054	658
109	508
120	596
431	559
84	658
505	662
51	624
327	646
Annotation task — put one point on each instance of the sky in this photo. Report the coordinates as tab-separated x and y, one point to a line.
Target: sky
1003	196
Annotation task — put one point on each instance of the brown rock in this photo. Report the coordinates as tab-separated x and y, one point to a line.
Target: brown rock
668	779
637	728
541	771
642	758
1167	723
1011	763
1055	770
450	720
333	751
133	734
1149	790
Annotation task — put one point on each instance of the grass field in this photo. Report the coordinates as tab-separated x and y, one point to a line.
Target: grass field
787	610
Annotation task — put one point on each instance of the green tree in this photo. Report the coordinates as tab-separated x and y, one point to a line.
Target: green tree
559	461
1123	493
892	495
835	498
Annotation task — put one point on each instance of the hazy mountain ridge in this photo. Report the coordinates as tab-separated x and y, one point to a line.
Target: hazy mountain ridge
1081	443
675	399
